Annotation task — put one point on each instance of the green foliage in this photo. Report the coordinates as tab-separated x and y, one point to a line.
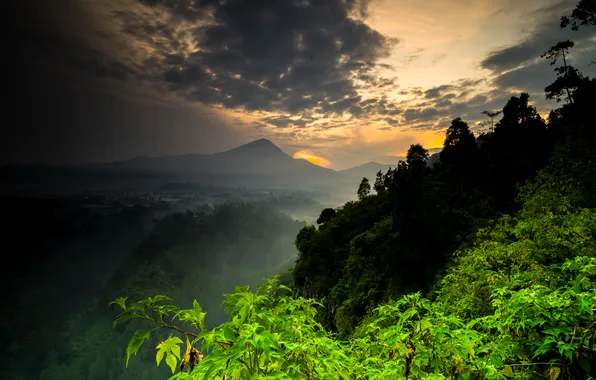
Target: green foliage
534	332
518	301
170	348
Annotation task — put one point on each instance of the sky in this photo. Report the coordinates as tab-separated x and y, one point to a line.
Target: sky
337	82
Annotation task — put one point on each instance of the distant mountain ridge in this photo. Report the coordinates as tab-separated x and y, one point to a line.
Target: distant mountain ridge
257	164
257	157
368	170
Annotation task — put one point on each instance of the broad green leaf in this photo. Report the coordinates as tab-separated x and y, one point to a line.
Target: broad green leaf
507	371
171	361
136	341
170	348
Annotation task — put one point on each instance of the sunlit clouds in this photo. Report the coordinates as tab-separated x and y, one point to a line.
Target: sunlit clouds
339	83
305	155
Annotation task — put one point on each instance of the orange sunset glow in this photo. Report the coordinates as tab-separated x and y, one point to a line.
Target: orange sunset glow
313	159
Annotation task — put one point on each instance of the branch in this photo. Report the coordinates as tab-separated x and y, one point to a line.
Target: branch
526	364
165	325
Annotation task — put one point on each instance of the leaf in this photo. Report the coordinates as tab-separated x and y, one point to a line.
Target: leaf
171	361
120	301
160	297
135	343
171	350
186	358
195	316
125	316
228	333
507	371
496	360
554	373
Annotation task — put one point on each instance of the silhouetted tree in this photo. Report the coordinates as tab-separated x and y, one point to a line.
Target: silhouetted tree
583	14
416	158
459	147
364	188
379	185
326	215
458	134
516	112
492	116
568	77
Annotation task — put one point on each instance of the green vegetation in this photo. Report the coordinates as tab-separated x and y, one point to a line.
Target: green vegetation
482	266
518	303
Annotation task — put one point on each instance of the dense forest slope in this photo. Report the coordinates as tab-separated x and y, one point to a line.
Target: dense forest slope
482	266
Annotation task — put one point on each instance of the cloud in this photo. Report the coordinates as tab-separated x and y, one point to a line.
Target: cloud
312	158
436	92
544	32
271	55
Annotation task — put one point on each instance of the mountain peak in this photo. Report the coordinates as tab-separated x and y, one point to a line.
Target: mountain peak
260	147
262	141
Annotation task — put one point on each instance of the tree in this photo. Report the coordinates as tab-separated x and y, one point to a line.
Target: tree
326	215
583	14
458	134
379	185
416	157
363	189
460	144
492	116
568	77
516	112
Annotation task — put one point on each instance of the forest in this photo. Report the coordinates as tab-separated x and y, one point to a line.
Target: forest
479	266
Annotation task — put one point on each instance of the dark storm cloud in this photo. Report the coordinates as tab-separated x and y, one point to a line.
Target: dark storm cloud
272	55
546	31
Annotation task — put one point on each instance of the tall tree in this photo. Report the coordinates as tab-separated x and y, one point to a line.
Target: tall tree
363	189
458	134
492	115
516	112
379	185
459	147
568	77
416	157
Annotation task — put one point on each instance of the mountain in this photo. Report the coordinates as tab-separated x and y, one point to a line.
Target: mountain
368	170
258	163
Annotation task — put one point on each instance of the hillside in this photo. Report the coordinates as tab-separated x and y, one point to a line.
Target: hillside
368	170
